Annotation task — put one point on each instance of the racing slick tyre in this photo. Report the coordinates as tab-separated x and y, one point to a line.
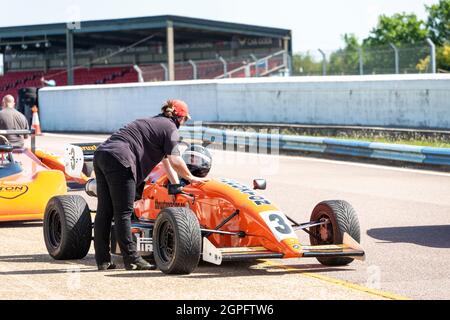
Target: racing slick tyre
177	241
67	227
343	219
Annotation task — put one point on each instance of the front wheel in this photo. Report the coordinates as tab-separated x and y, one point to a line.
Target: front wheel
342	219
67	227
177	241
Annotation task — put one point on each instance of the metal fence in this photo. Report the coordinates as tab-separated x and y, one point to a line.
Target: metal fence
386	59
239	67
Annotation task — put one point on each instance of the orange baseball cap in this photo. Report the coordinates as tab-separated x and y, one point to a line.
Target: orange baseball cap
181	108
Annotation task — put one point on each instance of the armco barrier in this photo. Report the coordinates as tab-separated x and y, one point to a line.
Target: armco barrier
374	150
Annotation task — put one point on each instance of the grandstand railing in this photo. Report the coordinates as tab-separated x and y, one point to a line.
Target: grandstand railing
274	63
219	68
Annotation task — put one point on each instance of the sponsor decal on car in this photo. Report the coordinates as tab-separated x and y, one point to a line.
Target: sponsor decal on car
144	244
89	148
252	196
167	204
10	192
279	225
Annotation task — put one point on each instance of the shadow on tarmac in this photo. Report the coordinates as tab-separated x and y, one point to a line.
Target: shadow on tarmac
204	271
238	269
427	236
20	224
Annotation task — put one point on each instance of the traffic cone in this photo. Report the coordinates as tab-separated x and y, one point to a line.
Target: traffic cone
35	124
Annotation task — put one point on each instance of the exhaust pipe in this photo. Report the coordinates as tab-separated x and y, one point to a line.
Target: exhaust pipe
91	188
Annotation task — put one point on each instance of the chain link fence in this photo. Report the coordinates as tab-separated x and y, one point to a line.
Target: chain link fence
386	59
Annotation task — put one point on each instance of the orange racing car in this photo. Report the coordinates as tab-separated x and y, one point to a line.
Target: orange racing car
29	178
220	220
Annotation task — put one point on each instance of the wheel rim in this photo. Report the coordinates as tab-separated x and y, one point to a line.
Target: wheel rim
166	242
55	230
324	233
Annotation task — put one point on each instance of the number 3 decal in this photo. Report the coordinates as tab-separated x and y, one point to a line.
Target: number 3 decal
282	226
277	222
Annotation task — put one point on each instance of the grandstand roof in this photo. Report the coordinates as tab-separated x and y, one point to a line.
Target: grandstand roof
127	31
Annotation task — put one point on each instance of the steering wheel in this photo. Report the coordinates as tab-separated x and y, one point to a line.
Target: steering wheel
5	140
183	146
5	146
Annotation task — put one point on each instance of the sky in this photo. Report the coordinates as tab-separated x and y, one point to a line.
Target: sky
314	23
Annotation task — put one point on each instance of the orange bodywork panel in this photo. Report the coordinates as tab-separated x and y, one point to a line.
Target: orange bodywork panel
56	162
24	195
216	200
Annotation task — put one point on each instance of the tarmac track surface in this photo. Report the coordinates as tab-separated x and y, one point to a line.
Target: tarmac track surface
405	230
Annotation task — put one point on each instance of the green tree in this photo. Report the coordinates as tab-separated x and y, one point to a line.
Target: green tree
401	28
304	64
346	59
438	22
407	33
443	58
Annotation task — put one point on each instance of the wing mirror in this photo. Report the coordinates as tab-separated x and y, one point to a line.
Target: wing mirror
259	184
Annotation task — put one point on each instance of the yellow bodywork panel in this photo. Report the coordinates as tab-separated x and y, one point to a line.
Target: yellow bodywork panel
26	199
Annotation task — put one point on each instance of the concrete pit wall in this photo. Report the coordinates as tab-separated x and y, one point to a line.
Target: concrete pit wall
408	101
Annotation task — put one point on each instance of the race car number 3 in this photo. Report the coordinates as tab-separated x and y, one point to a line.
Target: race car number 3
278	224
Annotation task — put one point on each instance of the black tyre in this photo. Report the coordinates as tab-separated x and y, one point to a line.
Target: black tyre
342	219
177	241
67	227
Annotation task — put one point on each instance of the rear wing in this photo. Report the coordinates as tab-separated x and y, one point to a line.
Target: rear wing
30	132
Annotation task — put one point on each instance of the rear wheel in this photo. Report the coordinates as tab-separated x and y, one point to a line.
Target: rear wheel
342	219
67	227
177	241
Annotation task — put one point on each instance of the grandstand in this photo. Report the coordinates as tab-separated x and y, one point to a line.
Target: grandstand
139	49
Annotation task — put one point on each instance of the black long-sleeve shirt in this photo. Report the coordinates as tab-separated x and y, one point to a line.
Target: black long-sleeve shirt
142	144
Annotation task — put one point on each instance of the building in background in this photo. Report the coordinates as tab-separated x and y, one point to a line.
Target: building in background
147	49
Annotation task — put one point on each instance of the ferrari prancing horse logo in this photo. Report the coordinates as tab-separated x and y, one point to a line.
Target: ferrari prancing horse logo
10	192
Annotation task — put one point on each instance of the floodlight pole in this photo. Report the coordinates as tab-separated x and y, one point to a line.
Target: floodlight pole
397	68
170	51
433	55
324	62
69	53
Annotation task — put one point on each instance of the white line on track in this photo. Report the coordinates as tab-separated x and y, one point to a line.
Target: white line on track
345	163
291	158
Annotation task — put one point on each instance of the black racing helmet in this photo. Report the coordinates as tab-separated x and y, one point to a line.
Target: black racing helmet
198	160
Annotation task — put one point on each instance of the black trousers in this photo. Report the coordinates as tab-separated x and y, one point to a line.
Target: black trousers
116	190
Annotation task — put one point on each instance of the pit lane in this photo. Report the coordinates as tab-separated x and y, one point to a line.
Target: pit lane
405	230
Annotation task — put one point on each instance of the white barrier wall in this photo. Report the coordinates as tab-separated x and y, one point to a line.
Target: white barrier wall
395	100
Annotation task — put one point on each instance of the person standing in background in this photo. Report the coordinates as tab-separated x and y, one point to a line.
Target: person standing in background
11	119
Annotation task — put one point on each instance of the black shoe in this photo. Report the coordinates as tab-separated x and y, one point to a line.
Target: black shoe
106	266
139	264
